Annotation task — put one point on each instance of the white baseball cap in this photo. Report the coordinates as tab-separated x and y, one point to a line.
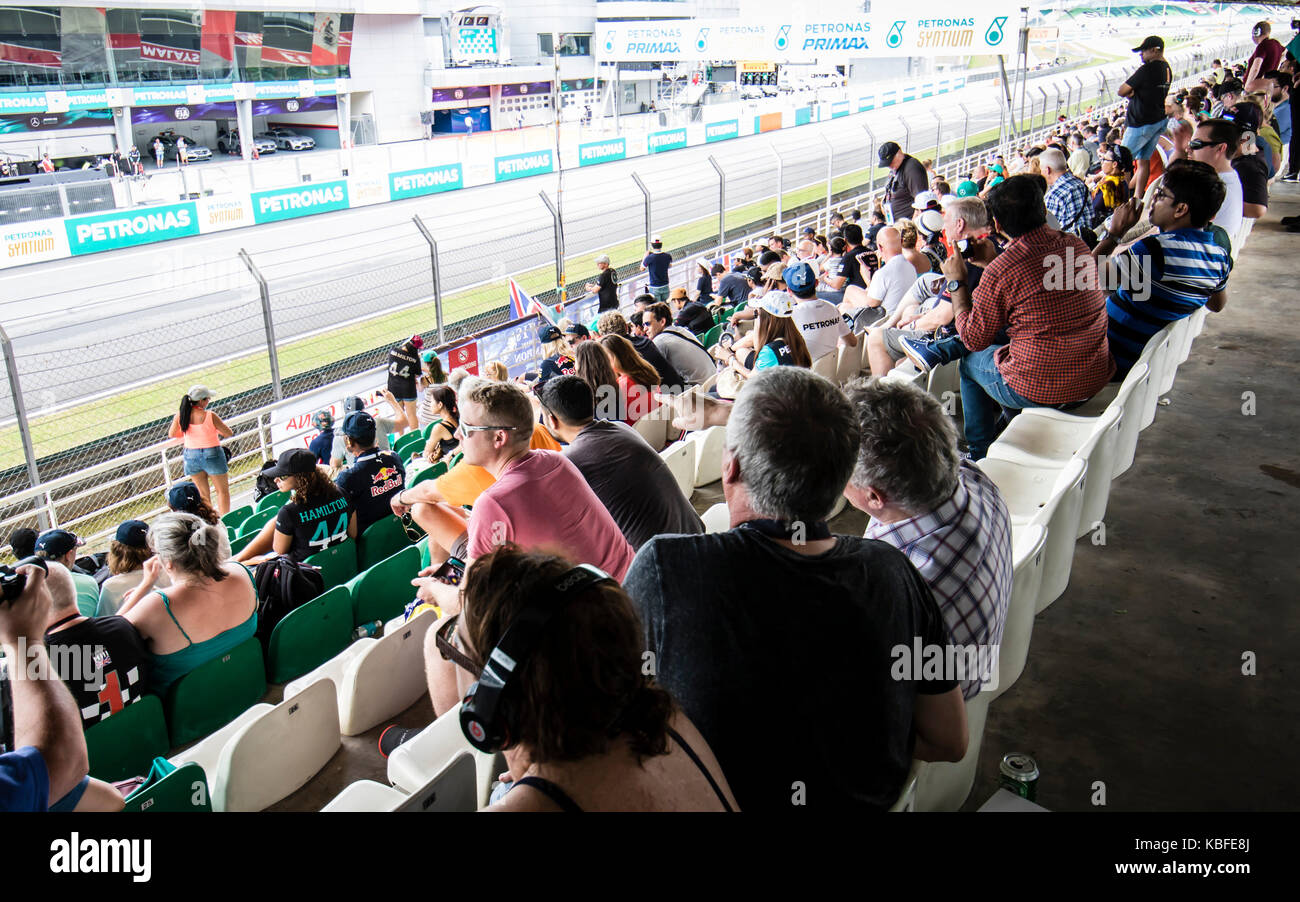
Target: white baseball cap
656	239
923	200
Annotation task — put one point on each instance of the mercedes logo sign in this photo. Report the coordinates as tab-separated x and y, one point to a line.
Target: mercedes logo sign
182	112
35	122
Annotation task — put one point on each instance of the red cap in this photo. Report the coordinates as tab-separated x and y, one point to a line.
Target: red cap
417	342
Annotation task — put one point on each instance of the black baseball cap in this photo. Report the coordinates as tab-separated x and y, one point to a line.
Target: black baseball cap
54	543
134	533
887	152
548	333
294	462
579	330
754	274
359	426
1154	42
184	496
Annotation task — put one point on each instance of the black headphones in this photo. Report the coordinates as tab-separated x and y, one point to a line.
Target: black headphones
481	718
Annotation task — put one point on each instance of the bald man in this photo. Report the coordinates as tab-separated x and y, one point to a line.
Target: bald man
890	282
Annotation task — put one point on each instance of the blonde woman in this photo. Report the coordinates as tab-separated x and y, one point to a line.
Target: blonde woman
557	353
496	371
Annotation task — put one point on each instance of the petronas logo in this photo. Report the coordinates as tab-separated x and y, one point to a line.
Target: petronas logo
995	33
702	40
895	37
783	37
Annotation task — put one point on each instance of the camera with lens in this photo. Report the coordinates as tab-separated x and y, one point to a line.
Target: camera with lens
12	583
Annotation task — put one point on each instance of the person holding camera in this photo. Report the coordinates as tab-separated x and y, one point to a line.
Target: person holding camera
50	758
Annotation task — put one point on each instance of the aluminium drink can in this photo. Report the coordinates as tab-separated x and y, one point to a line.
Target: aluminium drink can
1019	773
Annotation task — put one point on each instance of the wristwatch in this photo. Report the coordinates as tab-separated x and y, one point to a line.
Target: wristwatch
953	284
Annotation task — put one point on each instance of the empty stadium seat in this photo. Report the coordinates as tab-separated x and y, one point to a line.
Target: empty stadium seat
907	795
1179	335
413	763
944	785
123	744
271	751
708	454
238	515
848	363
376	678
450	789
653	429
254	523
381	592
338	563
945	380
717	518
272	502
310	635
215	693
431	472
1048	497
410	444
1159	363
183	790
680	458
382	539
906	372
1028	553
824	366
239	544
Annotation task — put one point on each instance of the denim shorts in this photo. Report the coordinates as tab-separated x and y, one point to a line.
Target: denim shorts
205	460
1141	139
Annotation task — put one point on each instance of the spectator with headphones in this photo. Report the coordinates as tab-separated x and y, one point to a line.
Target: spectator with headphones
584	732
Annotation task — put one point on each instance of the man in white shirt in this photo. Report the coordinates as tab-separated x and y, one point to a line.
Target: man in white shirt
890	282
679	345
819	322
1215	142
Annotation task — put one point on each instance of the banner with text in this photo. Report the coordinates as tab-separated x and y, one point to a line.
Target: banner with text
301	200
602	151
522	165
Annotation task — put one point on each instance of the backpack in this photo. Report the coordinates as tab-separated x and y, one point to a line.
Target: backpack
265	485
283	584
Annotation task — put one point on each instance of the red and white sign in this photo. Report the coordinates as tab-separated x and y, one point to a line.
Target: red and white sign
30	56
177	56
288	57
248	38
464	356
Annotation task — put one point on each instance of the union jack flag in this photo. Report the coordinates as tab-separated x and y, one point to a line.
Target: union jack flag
522	304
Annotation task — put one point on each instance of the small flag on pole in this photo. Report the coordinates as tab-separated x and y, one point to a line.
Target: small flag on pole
522	304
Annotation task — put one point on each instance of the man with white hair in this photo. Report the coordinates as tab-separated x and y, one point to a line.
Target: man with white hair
1067	195
889	283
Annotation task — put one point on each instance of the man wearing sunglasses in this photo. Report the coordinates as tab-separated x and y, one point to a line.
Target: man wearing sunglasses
1215	142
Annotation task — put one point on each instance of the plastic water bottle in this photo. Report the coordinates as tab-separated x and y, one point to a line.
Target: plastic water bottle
366	630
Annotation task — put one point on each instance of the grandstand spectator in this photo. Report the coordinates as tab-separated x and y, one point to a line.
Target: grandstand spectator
690	314
1226	96
940	511
556	353
403	371
22	543
1067	195
441	441
126	556
1056	354
1113	186
680	346
1279	93
890	282
909	237
575	334
831	270
818	321
497	372
1255	115
49	759
777	340
656	263
1091	142
1169	275
210	608
339	456
596	368
791	445
1080	160
606	285
606	453
1251	167
613	323
599	735
733	288
370	483
703	282
929	227
876	223
637	379
61	546
323	444
317	515
1267	55
185	498
430	371
202	431
907	179
1216	141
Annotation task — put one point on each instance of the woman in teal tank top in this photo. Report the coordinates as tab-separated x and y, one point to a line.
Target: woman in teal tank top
210	607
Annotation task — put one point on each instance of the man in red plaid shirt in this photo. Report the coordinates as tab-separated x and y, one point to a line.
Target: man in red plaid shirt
1042	297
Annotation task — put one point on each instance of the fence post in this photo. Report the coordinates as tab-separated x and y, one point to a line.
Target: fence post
63	196
1079	83
559	243
24	430
907	135
871	161
780	186
965	128
722	201
1059	110
277	391
1044	93
167	470
645	192
435	274
261	436
938	138
830	175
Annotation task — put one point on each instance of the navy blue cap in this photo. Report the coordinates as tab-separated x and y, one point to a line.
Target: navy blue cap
134	533
360	426
799	277
184	496
54	543
548	333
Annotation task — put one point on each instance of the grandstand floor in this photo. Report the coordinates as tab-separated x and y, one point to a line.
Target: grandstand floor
1134	677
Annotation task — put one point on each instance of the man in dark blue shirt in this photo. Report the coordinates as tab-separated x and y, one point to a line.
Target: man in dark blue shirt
656	263
375	478
323	443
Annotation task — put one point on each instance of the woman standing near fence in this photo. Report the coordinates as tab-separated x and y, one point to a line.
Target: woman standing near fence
202	431
403	372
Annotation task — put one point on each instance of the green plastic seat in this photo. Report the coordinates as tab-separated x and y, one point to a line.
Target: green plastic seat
338	563
239	543
382	539
238	515
255	523
273	501
184	789
215	693
383	591
710	338
411	453
410	440
310	635
425	559
429	428
433	472
124	744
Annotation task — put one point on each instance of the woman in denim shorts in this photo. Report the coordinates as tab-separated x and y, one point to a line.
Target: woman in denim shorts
202	431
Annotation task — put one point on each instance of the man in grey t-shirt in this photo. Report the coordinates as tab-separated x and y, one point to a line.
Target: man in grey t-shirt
679	345
627	475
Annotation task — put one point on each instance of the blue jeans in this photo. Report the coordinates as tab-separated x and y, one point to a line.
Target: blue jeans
984	393
204	460
660	292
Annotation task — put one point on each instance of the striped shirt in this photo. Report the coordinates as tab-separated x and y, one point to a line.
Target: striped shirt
1158	280
962	550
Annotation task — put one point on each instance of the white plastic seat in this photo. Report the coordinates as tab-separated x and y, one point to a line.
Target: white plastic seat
944	785
413	763
717	518
680	458
1179	331
708	454
451	788
653	430
366	796
1028	555
272	753
383	679
864	365
824	366
848	363
1158	363
905	372
207	751
1198	321
1044	496
944	379
907	795
1046	441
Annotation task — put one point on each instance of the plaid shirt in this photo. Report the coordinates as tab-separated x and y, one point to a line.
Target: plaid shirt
1068	200
962	549
1058	352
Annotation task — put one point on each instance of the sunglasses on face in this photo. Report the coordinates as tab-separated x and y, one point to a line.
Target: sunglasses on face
1197	144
